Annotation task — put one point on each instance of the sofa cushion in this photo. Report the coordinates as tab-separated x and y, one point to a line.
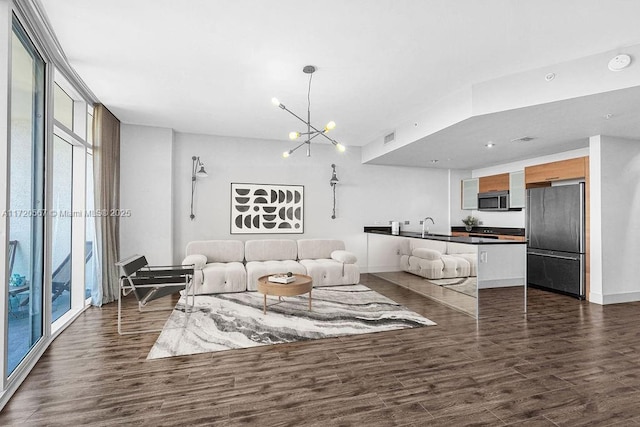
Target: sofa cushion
455	266
318	248
270	250
431	269
344	257
220	277
257	269
218	250
472	259
426	253
329	272
198	261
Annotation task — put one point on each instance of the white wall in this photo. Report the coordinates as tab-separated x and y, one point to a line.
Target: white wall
156	186
456	213
595	222
146	189
366	194
446	112
616	203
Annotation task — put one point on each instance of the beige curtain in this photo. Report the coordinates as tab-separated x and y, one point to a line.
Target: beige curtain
106	187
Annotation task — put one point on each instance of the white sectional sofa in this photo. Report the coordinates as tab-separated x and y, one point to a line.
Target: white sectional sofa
434	259
235	266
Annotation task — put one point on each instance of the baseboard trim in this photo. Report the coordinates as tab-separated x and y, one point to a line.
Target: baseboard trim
500	283
596	298
381	269
621	298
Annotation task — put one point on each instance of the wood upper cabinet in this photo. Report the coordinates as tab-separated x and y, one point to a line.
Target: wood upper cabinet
556	171
494	183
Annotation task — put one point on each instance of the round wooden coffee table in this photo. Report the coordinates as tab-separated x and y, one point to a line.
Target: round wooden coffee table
301	285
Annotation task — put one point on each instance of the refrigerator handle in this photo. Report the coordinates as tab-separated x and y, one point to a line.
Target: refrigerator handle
527	218
554	256
582	218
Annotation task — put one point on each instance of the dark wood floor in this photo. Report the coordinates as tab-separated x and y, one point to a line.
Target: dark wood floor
567	362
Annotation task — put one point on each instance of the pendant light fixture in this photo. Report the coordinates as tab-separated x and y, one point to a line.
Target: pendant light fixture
312	131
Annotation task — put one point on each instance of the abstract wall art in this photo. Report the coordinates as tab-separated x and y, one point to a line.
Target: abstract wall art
267	208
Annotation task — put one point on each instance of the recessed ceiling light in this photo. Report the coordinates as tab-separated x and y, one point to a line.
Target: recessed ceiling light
489	144
550	76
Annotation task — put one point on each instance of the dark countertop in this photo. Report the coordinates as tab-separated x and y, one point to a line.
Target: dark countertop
386	231
507	231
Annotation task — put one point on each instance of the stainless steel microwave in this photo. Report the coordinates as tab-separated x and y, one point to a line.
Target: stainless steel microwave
493	201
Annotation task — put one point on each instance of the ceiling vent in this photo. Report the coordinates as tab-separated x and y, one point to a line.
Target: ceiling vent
390	138
523	139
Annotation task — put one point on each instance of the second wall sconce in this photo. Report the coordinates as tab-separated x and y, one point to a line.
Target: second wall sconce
195	174
333	182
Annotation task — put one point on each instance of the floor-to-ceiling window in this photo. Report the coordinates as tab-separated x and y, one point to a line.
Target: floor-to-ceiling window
71	246
26	198
49	239
61	223
90	233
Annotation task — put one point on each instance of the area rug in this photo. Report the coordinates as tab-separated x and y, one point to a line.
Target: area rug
232	321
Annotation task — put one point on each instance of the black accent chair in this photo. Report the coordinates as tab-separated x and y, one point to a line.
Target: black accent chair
148	283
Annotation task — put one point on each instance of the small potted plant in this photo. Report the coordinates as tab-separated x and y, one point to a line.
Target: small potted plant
469	222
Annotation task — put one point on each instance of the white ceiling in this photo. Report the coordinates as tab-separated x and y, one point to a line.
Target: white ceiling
212	66
556	127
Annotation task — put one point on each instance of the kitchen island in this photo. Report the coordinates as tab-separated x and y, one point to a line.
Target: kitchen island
500	263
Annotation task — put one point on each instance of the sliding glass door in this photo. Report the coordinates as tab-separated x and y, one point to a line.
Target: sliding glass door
62	214
26	199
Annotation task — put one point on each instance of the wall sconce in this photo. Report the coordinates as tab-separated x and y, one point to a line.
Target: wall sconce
196	173
333	182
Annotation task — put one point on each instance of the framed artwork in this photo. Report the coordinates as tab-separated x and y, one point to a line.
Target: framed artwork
267	208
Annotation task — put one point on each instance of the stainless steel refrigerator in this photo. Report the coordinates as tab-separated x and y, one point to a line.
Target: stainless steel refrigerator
555	222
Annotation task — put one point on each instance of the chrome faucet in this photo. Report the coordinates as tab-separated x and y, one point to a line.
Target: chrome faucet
424	223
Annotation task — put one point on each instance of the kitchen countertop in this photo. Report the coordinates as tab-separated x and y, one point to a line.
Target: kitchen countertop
443	237
507	231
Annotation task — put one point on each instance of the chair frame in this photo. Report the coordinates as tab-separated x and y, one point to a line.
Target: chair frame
139	278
